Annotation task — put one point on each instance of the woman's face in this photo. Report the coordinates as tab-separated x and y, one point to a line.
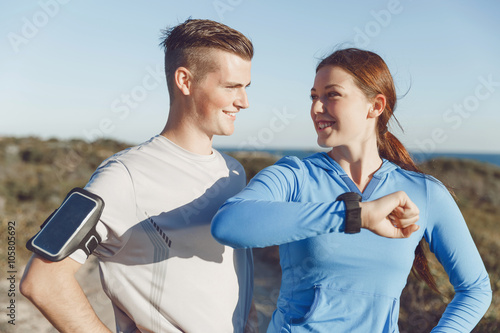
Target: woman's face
340	110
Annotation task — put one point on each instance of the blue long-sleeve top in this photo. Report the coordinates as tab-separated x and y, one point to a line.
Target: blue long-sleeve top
337	282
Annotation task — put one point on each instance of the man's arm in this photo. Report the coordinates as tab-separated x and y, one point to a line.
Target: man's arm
54	290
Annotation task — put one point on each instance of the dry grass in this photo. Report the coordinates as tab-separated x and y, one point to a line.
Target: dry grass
36	175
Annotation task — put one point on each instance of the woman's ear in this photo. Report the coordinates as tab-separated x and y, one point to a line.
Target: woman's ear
378	106
183	80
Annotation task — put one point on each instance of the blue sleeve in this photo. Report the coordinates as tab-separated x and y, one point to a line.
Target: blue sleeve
451	242
266	212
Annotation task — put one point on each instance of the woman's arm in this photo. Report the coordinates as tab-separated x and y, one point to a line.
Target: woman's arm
265	214
450	240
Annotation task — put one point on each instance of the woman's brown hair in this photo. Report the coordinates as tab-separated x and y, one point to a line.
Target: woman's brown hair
372	76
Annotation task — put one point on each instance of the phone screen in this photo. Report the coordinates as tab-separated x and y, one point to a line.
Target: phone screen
65	223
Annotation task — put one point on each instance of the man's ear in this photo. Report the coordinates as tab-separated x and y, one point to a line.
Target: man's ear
378	106
183	80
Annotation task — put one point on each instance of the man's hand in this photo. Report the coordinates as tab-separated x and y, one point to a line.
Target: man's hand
392	216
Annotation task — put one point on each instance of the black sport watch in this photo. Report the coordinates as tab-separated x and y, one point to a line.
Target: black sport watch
352	212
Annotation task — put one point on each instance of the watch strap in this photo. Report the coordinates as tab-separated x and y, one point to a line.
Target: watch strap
352	212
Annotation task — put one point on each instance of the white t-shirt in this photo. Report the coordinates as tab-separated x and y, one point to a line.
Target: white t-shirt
160	265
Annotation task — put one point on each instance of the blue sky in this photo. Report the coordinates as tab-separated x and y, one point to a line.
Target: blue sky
86	69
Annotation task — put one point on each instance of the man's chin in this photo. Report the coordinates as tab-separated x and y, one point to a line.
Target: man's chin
227	132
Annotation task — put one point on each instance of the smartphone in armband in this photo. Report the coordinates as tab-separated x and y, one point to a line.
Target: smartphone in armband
70	227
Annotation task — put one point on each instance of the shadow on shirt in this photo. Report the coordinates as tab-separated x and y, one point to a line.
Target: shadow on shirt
183	232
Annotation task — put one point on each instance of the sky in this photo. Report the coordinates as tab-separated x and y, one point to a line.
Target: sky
93	69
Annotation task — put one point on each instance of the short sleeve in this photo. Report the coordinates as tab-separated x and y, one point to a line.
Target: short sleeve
112	182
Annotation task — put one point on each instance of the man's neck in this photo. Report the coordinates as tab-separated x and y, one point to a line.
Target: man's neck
188	138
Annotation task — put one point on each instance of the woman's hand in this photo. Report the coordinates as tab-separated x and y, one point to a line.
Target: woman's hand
392	216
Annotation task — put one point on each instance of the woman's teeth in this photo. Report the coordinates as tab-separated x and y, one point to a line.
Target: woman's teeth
323	125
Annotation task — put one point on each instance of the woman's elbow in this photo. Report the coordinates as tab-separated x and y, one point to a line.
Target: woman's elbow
225	231
229	225
219	229
488	293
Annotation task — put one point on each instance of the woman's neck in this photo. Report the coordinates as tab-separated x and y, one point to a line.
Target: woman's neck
359	164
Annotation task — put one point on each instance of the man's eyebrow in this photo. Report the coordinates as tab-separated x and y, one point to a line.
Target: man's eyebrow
237	84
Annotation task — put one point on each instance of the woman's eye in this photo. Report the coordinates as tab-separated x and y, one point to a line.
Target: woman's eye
314	97
333	94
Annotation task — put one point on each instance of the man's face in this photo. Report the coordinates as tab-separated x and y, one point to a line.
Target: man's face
221	94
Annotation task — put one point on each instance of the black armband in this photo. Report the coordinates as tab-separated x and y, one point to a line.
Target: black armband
352	212
71	227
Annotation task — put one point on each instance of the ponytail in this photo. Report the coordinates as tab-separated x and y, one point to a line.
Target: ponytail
393	150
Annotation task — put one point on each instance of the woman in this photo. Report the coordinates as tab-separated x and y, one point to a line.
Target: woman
333	281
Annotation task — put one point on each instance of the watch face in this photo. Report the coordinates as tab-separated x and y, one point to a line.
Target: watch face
65	223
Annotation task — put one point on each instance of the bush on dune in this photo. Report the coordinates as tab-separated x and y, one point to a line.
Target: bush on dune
36	175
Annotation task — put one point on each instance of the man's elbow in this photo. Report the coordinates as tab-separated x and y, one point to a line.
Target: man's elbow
40	280
30	289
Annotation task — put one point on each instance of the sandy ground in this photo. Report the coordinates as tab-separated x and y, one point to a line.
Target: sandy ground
29	319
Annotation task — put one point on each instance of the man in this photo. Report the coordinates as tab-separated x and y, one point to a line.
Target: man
160	265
